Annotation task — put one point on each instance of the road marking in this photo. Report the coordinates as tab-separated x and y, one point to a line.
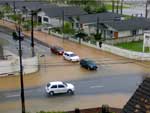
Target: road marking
11	96
96	86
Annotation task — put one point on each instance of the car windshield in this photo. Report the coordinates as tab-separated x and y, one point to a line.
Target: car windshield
48	84
72	55
59	49
90	62
64	83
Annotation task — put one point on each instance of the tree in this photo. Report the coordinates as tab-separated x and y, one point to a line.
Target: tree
1	14
68	28
6	8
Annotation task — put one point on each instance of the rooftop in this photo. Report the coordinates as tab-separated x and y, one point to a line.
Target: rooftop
140	101
130	24
103	17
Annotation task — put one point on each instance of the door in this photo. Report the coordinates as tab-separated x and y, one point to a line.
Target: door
67	56
116	35
54	88
62	88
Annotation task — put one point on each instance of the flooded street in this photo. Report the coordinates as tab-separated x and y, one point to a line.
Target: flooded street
113	71
116	79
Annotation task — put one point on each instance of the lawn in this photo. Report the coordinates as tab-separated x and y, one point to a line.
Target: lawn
109	7
133	46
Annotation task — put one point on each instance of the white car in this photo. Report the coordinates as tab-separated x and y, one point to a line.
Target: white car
68	55
59	87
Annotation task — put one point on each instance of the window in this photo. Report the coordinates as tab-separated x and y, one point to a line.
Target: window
66	54
54	86
45	19
134	32
61	86
77	25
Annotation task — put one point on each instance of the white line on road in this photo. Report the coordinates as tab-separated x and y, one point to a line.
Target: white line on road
11	96
96	86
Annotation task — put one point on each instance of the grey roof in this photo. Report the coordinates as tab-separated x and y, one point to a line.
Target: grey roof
92	18
131	24
140	101
32	5
68	11
51	10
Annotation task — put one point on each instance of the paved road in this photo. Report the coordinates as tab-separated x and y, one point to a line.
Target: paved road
85	87
93	86
26	48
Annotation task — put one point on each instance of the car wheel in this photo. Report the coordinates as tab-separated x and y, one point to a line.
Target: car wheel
70	92
51	93
88	68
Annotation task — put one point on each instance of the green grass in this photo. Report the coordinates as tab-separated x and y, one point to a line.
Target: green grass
109	7
133	46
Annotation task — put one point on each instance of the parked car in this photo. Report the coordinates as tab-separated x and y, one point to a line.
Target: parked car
68	55
88	64
57	87
57	50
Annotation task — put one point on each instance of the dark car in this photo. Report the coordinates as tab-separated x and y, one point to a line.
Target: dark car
57	50
88	64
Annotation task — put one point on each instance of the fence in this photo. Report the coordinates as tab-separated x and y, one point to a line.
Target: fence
116	50
124	39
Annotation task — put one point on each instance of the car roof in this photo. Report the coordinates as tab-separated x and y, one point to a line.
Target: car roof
69	52
56	82
86	59
56	47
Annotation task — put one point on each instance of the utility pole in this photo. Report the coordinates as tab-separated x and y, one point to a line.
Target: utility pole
14	7
121	10
146	10
117	6
21	71
33	13
63	23
32	34
97	30
113	5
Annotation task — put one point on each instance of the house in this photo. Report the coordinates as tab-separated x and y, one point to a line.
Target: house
126	28
140	101
111	25
54	16
88	22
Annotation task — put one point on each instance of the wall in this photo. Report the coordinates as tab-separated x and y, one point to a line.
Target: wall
55	22
11	67
124	33
116	50
126	53
124	39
